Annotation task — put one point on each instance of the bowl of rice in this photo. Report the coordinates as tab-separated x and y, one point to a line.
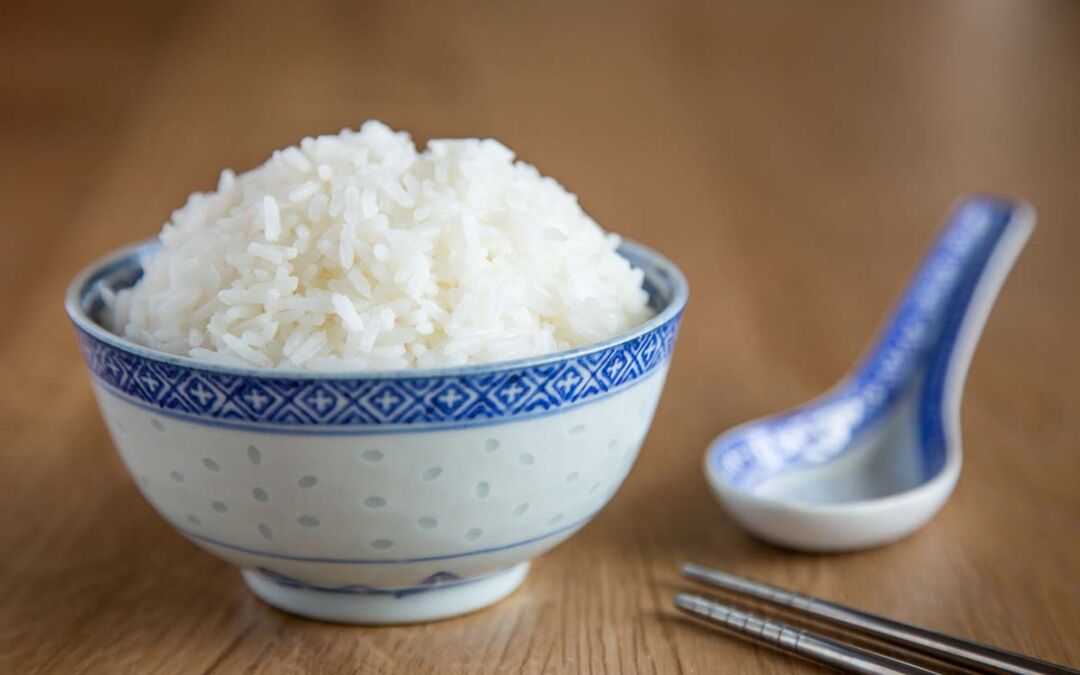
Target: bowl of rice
379	380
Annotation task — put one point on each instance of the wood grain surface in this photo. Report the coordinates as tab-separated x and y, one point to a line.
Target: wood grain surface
793	158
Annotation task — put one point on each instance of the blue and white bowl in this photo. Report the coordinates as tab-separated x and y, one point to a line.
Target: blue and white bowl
380	497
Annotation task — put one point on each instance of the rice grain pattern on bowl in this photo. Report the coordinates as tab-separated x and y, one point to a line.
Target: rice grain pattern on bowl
369	495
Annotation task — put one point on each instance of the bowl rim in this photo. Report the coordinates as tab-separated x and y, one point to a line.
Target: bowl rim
82	283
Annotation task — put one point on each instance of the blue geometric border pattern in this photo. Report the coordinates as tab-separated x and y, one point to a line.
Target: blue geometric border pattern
411	402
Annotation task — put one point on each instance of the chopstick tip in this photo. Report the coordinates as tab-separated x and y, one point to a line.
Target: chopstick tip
683	598
689	602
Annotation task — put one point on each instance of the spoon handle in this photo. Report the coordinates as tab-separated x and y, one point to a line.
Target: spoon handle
955	285
941	313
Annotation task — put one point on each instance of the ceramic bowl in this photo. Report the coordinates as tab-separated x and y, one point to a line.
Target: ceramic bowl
379	497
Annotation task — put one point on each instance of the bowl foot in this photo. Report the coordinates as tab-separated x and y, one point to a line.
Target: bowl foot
388	607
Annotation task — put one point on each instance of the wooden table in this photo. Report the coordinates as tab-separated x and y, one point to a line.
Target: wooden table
793	159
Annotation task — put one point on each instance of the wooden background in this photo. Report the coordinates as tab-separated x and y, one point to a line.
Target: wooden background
793	158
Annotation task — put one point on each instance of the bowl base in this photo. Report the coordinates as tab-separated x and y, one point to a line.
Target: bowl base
388	607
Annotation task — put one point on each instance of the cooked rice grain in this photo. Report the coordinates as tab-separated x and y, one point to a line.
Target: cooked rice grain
356	251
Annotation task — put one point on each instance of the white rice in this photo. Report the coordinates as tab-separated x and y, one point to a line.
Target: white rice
355	251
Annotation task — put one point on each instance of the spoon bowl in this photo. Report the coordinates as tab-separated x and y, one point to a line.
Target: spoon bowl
875	458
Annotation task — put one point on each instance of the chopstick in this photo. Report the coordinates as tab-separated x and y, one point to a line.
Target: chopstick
920	640
802	643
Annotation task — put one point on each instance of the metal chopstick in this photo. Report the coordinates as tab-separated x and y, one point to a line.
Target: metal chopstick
795	641
952	649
